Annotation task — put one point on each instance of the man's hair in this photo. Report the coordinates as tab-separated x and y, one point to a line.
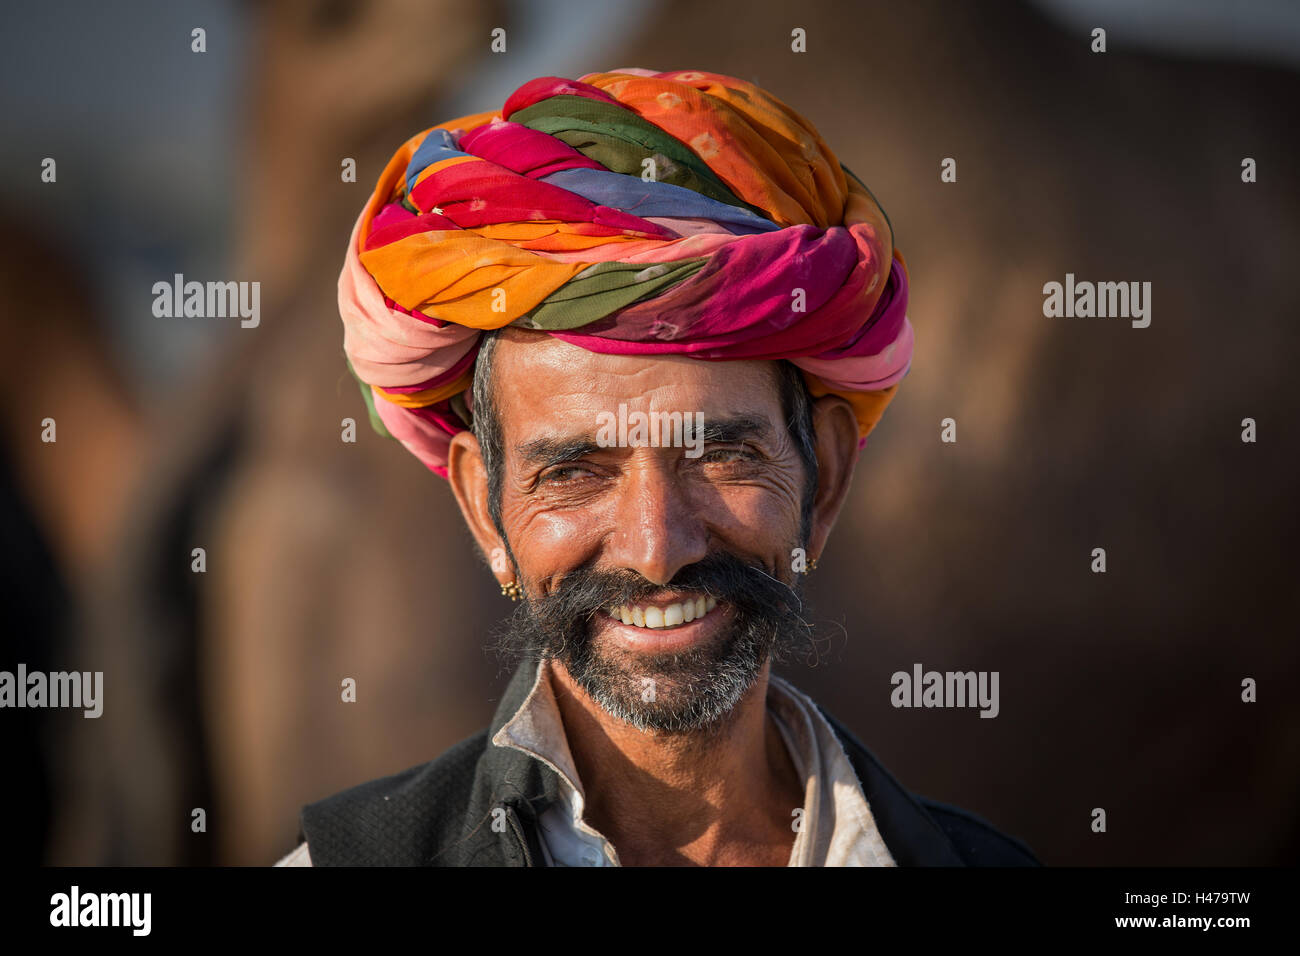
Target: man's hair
796	405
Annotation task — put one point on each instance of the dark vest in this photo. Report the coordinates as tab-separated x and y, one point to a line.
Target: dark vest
441	813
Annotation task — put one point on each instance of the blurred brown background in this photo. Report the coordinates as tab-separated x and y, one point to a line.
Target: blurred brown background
327	560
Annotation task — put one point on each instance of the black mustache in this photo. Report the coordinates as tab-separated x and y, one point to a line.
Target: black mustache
723	576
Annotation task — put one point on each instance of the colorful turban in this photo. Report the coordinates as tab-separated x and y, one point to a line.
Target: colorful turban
632	213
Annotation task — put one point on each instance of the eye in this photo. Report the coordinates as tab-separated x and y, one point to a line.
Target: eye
724	456
562	474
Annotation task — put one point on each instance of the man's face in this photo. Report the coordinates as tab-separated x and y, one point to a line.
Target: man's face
650	534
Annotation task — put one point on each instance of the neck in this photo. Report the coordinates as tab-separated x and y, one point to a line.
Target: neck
717	797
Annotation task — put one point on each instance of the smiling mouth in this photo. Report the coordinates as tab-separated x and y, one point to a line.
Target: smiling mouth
654	616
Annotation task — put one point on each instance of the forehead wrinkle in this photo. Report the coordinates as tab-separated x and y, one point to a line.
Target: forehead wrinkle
541	351
588	383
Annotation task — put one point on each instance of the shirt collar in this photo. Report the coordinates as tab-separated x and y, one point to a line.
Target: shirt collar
837	821
537	729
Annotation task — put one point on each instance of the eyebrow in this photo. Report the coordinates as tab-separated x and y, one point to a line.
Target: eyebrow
737	428
545	452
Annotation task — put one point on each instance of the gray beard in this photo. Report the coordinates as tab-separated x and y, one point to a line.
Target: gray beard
686	692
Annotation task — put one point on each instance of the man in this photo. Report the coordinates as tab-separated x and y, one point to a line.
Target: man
643	323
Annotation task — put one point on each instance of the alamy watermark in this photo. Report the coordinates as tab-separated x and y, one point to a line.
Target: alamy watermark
76	908
1125	300
58	689
651	430
208	300
946	689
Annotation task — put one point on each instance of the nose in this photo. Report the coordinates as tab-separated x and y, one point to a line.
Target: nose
659	531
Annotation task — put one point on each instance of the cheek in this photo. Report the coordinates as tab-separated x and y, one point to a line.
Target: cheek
546	541
761	518
758	512
563	531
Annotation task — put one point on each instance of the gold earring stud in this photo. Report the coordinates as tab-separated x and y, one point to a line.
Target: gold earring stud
512	590
812	565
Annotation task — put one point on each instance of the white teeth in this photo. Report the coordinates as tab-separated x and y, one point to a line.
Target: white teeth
654	616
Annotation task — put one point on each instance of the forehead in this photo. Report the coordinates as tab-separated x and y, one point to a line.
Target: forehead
542	383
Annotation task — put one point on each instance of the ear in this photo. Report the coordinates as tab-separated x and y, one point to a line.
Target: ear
837	454
468	479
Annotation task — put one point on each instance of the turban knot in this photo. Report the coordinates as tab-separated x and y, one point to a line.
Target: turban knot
632	213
